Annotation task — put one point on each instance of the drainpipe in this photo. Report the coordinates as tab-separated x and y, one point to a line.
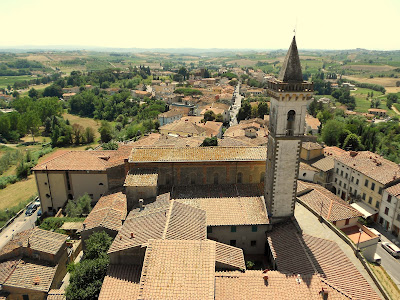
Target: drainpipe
48	183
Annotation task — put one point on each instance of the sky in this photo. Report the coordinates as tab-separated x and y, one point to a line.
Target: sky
250	24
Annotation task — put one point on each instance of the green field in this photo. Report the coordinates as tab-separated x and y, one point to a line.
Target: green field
9	80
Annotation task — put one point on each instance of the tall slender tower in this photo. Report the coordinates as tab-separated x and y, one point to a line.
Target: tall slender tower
289	98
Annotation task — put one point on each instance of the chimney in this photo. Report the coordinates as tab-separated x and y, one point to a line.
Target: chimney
298	279
265	276
324	294
84	226
141	206
353	153
131	235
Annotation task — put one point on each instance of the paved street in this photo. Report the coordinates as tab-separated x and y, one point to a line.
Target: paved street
236	106
310	225
21	223
390	264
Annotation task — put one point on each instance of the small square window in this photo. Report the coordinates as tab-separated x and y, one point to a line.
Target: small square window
232	243
253	243
233	228
254	228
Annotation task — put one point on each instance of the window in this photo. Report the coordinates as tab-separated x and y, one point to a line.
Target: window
253	243
351	189
254	228
357	181
398	217
334	223
101	183
389	199
91	196
25	297
377	204
232	243
363	196
380	191
340	183
386	210
347	175
355	192
370	200
337	171
70	197
209	229
372	186
68	183
347	222
233	228
47	195
335	179
341	173
239	177
352	178
366	182
216	178
380	220
49	208
344	185
45	183
291	116
304	174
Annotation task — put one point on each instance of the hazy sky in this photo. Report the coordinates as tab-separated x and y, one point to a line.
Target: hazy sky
264	24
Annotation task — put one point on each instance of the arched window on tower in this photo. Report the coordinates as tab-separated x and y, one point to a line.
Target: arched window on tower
291	116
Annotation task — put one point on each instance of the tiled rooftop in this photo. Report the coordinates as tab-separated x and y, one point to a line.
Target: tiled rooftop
31	275
108	212
311	146
229	256
306	167
97	160
250	285
56	295
324	164
175	221
184	127
231	210
37	239
394	190
371	165
175	269
334	265
121	283
332	207
141	178
198	154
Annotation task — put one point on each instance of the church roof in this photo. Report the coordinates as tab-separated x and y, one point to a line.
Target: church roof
291	68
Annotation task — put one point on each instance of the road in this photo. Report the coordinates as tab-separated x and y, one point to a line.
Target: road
21	223
236	105
388	262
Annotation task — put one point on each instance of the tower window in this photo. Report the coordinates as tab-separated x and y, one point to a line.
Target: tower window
291	116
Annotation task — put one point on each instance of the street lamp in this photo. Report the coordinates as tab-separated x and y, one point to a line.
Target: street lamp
359	237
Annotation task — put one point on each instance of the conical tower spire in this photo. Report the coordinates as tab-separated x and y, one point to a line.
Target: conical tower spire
291	68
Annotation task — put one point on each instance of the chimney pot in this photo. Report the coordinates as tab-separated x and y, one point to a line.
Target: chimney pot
131	235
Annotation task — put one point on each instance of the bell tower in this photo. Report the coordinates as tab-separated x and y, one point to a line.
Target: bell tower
289	97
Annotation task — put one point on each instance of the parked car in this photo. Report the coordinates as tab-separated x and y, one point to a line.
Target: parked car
376	232
391	248
30	211
39	213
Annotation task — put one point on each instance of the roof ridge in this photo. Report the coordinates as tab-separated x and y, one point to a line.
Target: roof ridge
110	208
168	219
330	209
55	157
12	271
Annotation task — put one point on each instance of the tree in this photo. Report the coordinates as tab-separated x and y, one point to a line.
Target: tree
31	122
53	90
79	207
262	109
210	142
105	131
209	115
87	278
34	94
352	142
331	131
78	132
244	111
97	245
219	118
89	135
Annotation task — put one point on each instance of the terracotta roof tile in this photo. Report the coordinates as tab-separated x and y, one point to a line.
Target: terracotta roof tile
304	166
394	190
324	164
198	154
56	295
36	239
32	275
184	127
314	123
108	212
231	210
229	256
6	268
141	178
251	285
371	165
311	146
333	264
121	283
174	269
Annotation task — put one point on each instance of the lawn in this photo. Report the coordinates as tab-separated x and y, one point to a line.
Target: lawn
362	104
9	80
85	122
15	193
387	282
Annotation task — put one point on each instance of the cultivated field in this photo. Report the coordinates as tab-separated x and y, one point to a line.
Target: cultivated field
9	80
371	68
15	193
